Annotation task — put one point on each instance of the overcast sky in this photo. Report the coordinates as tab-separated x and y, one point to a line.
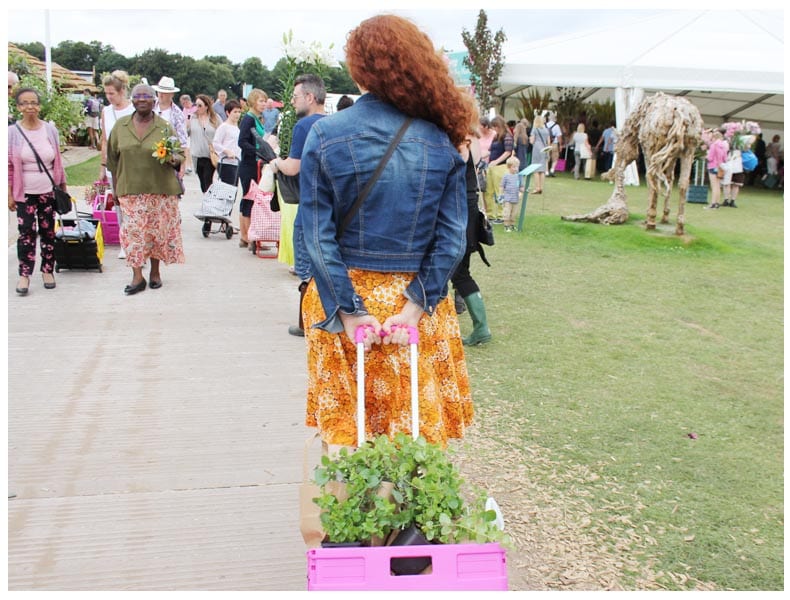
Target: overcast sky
244	29
241	32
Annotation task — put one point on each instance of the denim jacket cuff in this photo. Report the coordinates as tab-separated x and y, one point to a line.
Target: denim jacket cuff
333	324
421	300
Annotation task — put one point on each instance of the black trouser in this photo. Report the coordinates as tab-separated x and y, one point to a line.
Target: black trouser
606	161
205	172
36	216
462	279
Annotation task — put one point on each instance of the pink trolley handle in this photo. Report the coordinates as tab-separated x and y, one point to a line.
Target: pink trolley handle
359	337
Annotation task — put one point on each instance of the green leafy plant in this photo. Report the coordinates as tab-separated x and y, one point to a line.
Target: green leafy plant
569	104
55	106
425	489
533	102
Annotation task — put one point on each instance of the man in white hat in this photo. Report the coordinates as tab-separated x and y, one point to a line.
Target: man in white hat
169	111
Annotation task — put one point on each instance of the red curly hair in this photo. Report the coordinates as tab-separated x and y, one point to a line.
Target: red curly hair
390	57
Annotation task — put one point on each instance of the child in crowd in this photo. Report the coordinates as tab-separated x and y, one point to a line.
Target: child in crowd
510	191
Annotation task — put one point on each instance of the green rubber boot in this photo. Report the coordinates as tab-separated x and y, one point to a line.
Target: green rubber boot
481	334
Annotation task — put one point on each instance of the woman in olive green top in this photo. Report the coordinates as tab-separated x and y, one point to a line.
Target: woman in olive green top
147	190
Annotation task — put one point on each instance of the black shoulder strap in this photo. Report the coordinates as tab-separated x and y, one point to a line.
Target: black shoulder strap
482	254
376	174
41	165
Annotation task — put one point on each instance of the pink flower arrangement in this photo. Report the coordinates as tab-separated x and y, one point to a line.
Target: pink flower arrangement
741	135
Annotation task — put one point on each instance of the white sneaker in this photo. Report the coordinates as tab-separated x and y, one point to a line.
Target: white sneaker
122	254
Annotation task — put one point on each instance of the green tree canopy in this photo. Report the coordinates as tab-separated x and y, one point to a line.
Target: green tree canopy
253	72
79	56
484	61
109	62
35	49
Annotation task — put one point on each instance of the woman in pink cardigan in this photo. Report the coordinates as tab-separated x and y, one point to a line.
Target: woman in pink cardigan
30	188
717	156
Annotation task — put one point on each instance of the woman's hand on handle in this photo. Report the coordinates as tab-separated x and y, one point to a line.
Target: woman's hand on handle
396	328
372	333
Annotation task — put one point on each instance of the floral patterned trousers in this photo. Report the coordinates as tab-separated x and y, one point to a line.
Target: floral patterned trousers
36	216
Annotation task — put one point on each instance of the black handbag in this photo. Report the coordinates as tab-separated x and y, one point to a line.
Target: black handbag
63	202
485	232
288	185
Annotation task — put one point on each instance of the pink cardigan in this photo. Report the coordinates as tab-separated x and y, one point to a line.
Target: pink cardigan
15	143
717	153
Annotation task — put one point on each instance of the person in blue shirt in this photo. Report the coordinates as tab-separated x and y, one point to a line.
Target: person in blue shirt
270	116
308	99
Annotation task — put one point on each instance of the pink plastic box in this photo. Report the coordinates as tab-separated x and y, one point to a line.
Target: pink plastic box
453	566
109	221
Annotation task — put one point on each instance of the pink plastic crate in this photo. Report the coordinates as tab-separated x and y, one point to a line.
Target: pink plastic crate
454	567
109	221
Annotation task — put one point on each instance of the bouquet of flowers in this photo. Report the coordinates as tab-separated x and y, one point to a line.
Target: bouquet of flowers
167	150
741	135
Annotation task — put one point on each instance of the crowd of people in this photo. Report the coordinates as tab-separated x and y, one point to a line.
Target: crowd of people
374	233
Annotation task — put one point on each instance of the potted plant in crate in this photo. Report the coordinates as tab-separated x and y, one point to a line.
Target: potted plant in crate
404	490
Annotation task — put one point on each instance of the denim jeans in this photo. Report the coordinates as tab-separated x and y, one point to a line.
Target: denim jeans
301	256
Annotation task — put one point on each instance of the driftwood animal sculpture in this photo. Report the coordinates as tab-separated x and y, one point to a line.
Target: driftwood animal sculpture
667	128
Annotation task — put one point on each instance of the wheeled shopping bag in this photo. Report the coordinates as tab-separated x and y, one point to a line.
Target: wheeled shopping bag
79	244
423	566
217	205
263	234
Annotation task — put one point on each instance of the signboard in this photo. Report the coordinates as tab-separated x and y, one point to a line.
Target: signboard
457	68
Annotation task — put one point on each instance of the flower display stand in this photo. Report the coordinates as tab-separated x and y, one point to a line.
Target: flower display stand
452	567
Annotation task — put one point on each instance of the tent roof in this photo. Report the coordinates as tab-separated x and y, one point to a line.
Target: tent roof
730	64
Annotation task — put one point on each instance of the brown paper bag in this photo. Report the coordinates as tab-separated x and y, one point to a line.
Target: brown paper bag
309	512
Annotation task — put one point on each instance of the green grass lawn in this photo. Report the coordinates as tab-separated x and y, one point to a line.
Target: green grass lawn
613	344
84	173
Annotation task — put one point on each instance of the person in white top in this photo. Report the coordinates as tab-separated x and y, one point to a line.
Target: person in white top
581	151
116	89
226	144
170	112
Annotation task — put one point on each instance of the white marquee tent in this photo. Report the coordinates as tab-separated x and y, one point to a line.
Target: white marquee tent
730	64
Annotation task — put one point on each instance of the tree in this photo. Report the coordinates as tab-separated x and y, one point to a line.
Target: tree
78	56
153	64
35	49
485	61
109	62
338	81
253	73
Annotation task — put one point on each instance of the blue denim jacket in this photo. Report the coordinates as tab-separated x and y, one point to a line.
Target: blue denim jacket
413	220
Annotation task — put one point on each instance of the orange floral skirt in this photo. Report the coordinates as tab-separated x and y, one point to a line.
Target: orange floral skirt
151	228
445	399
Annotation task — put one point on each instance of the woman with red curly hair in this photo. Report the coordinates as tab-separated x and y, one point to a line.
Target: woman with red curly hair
387	265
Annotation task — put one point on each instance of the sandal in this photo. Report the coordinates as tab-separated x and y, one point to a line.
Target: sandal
23	290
